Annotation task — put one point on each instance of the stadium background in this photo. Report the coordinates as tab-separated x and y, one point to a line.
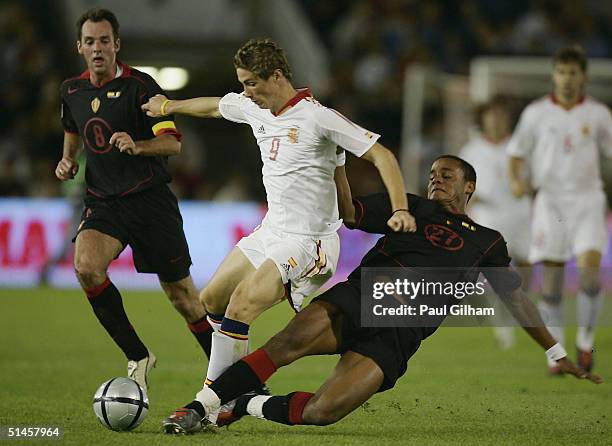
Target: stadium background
361	57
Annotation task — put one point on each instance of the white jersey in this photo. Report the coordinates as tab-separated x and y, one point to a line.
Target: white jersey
299	153
493	204
563	146
493	200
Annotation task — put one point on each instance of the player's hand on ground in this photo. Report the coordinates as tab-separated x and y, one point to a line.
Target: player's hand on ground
569	368
519	188
123	142
153	106
66	169
402	221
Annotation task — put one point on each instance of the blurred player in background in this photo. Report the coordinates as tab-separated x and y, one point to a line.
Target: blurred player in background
560	137
373	358
296	248
128	201
493	204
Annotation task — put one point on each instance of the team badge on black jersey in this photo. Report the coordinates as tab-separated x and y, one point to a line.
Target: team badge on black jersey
95	105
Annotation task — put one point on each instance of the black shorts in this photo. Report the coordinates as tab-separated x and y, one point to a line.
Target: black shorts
390	348
148	221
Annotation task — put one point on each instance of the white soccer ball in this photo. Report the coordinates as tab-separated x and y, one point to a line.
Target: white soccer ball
121	404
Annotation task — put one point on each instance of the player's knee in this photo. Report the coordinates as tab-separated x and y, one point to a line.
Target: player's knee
552	298
211	302
182	295
88	273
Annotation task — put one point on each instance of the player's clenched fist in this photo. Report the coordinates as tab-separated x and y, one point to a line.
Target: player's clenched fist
123	142
66	169
153	107
402	221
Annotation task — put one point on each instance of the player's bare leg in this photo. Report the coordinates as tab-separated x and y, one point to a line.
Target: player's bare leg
234	268
551	308
254	294
588	305
184	297
339	395
94	251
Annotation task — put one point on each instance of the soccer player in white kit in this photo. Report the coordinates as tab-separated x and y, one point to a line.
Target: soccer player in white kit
493	204
561	136
296	248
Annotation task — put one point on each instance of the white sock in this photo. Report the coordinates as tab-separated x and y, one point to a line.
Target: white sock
216	326
225	351
552	315
587	311
211	403
255	405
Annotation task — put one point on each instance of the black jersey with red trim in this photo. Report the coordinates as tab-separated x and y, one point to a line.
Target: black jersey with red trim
95	113
442	240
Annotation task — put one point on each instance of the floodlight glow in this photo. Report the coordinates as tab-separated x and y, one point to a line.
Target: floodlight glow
172	78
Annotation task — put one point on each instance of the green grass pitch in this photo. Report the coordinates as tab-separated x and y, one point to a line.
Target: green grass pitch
459	388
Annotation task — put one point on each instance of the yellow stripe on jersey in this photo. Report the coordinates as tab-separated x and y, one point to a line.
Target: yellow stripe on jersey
164	125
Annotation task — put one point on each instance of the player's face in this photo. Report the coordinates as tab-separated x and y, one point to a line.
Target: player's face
98	46
496	123
568	79
447	184
258	90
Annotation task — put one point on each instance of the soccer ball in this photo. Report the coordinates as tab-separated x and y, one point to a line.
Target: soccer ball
120	404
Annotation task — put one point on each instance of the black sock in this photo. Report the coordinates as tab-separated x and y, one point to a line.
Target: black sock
198	407
202	331
277	409
240	408
108	308
235	381
286	409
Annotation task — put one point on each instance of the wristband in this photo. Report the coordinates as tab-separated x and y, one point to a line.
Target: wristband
556	352
162	109
399	210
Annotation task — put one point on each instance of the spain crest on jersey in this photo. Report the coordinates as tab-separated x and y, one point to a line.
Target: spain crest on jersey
293	135
586	130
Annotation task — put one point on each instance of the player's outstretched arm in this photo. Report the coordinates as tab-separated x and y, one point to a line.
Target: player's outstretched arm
68	166
346	208
401	220
203	107
527	314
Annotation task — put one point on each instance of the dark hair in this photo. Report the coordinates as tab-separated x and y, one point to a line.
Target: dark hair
262	57
469	173
98	15
481	109
571	54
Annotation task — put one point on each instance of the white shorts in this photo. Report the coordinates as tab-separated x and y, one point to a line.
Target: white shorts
304	262
568	225
514	224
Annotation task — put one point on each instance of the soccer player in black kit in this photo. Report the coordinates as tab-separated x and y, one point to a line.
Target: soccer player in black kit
128	201
372	358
